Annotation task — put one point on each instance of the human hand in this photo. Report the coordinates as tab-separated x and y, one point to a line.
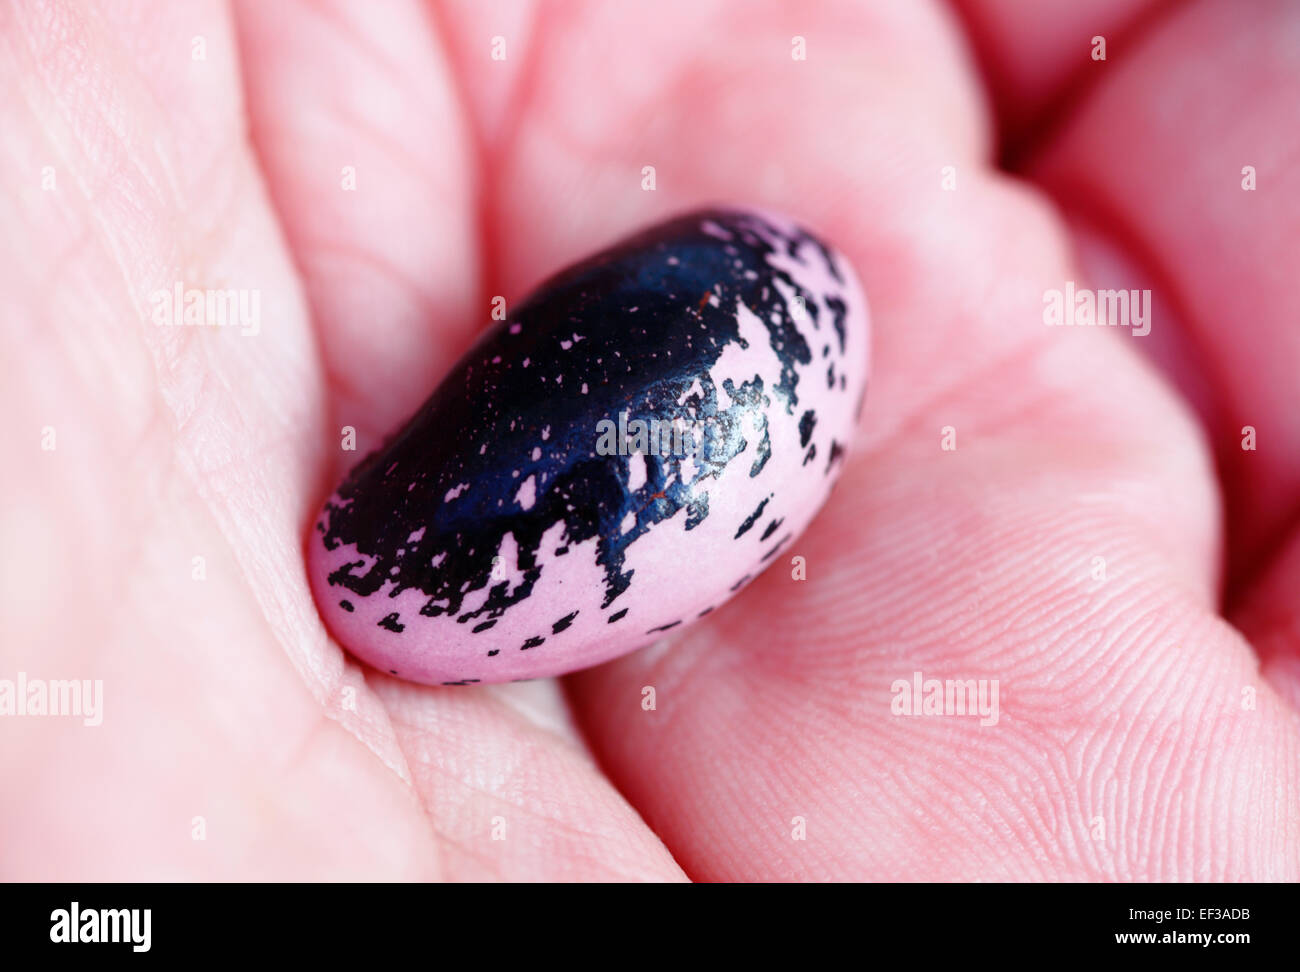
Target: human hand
376	177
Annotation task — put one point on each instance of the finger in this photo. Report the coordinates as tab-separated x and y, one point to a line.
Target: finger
359	133
1036	56
1171	209
570	172
491	47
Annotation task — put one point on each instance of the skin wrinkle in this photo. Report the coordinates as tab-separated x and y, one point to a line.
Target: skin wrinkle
79	141
492	159
322	729
353	123
322	250
523	765
353	36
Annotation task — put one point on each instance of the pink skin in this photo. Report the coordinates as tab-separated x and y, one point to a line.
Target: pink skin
226	698
677	573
